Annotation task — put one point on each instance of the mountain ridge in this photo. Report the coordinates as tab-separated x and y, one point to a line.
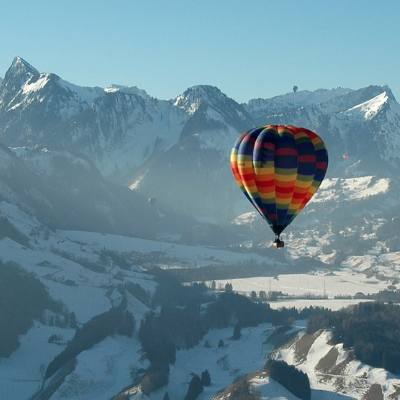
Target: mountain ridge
178	150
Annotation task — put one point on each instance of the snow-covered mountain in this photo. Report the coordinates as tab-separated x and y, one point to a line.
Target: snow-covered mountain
360	123
42	109
176	150
177	153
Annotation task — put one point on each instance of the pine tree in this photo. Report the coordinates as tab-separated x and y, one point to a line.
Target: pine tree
205	378
262	295
72	320
228	287
195	388
237	332
166	396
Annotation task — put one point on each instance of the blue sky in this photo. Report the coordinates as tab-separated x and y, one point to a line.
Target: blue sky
248	49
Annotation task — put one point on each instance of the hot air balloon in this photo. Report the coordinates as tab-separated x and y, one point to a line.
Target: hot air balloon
152	201
295	89
345	156
279	168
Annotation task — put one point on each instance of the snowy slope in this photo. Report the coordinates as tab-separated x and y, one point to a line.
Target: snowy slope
107	368
329	369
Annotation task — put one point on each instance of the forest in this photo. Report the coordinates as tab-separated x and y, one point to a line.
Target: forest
115	320
181	323
23	298
370	329
290	377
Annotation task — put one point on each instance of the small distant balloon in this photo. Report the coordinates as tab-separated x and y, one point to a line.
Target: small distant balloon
295	89
152	201
345	156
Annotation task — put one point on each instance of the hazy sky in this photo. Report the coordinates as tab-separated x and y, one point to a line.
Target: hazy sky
247	48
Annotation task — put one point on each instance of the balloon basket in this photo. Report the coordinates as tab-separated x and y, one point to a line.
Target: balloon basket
278	243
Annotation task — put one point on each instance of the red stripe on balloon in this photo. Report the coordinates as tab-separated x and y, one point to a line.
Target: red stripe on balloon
286	152
264	184
280	189
309	158
268	145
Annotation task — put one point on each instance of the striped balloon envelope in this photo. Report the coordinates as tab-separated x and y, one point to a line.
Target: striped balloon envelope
279	168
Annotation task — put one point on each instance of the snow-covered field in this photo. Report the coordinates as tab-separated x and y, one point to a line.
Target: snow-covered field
340	283
111	365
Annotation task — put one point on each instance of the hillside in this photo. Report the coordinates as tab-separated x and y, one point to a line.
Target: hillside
332	372
71	266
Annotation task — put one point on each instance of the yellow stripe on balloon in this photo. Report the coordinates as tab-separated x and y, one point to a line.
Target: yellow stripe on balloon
284	178
282	204
265	172
267	195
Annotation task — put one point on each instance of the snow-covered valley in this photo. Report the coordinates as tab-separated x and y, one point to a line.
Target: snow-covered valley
111	365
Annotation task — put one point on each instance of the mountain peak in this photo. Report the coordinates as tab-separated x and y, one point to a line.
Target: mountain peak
21	69
127	89
371	107
193	96
388	92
